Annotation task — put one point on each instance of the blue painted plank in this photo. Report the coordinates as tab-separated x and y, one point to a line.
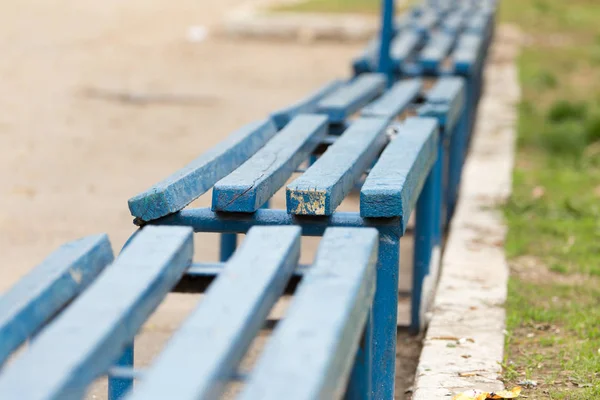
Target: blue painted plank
311	352
425	22
467	53
304	106
189	183
367	60
348	99
394	183
205	352
85	339
394	101
453	23
325	184
247	188
42	293
437	49
404	46
446	102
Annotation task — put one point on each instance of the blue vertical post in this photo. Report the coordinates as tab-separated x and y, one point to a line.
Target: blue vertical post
385	316
118	387
228	245
424	240
386	65
439	205
360	386
457	151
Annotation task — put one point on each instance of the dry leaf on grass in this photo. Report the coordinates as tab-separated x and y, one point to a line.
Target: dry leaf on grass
479	395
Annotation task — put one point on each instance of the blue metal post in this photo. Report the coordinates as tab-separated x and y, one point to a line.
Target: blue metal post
360	386
385	315
386	65
424	240
118	387
228	245
439	205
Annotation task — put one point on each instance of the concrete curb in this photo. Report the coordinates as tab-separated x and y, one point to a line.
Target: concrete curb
253	20
464	343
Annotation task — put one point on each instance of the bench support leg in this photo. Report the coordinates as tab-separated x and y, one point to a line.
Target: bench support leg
425	237
458	144
385	316
228	245
360	385
118	387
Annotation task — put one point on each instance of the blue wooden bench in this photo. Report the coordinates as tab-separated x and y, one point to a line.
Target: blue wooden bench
318	350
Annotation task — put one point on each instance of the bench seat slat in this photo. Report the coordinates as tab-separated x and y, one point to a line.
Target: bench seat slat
393	186
446	102
348	99
247	188
433	54
91	333
395	101
36	298
467	53
304	106
189	183
311	352
404	46
327	182
205	352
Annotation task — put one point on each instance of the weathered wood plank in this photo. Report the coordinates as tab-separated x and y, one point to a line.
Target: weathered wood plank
436	50
467	53
394	101
446	102
394	183
247	188
348	99
325	184
36	298
91	333
205	352
304	106
311	352
404	46
189	183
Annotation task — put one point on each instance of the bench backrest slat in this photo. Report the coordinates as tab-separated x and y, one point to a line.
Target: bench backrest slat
327	182
394	101
312	349
36	298
395	182
247	188
304	106
91	333
205	352
351	97
189	183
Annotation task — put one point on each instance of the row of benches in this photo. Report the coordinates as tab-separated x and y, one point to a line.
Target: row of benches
398	133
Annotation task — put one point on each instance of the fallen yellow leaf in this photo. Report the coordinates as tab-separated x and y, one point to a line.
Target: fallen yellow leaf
479	395
506	394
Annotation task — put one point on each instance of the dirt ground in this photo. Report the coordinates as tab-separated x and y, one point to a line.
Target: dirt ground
74	143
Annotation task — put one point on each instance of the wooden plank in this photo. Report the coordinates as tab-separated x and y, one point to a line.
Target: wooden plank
453	23
394	101
189	183
348	99
446	102
325	184
394	183
247	188
205	352
42	293
311	352
83	342
437	49
367	60
467	53
404	46
304	106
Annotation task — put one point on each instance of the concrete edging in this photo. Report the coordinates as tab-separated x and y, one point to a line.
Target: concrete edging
464	343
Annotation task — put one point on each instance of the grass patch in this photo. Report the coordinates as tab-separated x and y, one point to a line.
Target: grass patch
554	213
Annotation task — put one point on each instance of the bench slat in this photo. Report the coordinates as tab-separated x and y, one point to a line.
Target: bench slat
445	101
436	50
394	184
205	352
467	53
311	352
395	101
305	106
91	334
404	46
36	298
247	188
189	183
327	182
348	99
366	61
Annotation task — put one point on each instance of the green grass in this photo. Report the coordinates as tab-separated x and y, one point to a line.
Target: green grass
553	310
